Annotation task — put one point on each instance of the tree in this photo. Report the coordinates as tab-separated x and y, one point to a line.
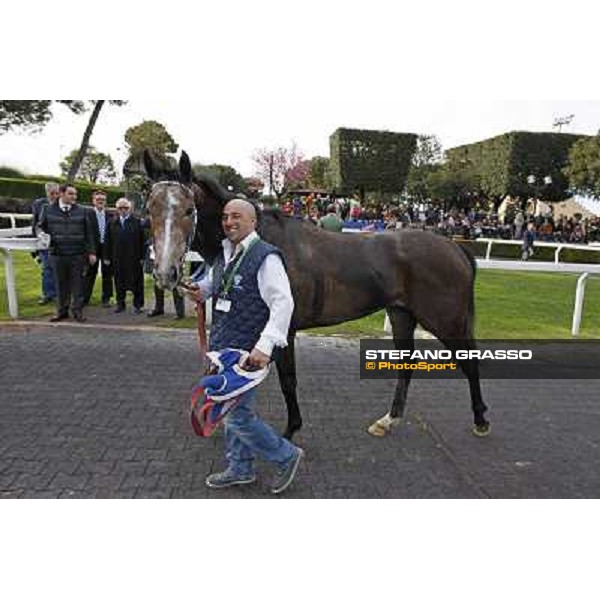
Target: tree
319	177
85	142
296	178
457	183
227	176
32	115
150	135
425	161
583	167
96	167
272	166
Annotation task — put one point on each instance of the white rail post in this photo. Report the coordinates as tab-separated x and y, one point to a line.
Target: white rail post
489	250
579	296
9	276
556	253
387	325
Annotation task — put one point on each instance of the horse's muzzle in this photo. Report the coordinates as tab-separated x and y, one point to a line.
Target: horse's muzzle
167	280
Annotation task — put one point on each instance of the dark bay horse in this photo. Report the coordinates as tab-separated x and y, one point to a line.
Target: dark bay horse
418	277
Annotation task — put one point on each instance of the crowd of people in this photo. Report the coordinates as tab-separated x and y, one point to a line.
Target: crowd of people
470	224
83	242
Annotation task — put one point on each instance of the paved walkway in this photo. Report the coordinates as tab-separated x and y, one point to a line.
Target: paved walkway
101	412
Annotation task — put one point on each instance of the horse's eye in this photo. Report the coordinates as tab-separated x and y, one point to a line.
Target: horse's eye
189	212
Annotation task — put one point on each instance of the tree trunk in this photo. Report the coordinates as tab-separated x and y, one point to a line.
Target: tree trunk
85	142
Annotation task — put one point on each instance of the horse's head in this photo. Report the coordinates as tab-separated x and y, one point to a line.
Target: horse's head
172	212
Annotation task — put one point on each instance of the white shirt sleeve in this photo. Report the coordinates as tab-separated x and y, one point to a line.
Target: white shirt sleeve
274	288
206	284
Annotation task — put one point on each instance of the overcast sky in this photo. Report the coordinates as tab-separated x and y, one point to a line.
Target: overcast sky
236	76
220	130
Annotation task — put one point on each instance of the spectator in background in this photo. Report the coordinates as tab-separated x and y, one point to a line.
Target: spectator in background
331	222
71	242
48	283
519	222
100	220
528	239
125	242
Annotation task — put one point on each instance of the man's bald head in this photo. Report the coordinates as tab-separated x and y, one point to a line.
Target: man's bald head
239	220
123	203
123	207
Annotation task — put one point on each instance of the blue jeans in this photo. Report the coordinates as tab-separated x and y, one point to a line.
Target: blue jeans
247	436
48	284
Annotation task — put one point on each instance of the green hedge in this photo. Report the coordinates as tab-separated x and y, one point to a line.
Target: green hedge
29	189
504	163
10	172
370	161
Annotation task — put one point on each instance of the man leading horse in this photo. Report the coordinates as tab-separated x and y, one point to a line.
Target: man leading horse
252	309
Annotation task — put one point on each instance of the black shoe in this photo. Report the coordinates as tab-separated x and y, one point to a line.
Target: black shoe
285	476
105	303
57	318
120	309
155	313
79	318
138	311
179	317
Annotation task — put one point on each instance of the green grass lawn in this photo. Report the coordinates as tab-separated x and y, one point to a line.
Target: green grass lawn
508	304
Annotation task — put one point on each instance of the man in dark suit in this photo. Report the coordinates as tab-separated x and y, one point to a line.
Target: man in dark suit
125	243
72	244
100	220
48	285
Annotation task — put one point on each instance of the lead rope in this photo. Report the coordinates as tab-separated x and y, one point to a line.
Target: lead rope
198	391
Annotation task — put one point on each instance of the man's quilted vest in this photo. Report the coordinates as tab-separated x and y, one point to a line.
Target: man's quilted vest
242	325
67	230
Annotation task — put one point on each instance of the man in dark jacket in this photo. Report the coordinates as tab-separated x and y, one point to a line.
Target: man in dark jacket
72	244
125	243
48	285
100	220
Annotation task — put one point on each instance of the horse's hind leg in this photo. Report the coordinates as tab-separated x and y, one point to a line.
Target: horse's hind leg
403	328
286	369
471	369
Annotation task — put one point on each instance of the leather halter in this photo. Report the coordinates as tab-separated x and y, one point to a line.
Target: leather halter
190	191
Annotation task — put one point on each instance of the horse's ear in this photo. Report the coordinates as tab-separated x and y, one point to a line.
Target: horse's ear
185	168
150	165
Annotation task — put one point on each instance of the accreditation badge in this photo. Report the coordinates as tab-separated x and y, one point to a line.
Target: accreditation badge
223	305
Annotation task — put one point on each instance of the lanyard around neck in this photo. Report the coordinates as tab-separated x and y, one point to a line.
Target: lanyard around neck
236	266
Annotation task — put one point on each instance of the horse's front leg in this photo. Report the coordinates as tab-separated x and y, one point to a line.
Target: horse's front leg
286	369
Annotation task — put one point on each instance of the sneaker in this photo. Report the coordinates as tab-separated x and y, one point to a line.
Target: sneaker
285	476
155	313
228	478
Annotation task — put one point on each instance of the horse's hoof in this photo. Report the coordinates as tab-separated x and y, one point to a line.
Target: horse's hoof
383	426
482	430
377	430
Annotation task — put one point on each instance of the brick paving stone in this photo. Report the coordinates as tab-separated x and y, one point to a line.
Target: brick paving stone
117	426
